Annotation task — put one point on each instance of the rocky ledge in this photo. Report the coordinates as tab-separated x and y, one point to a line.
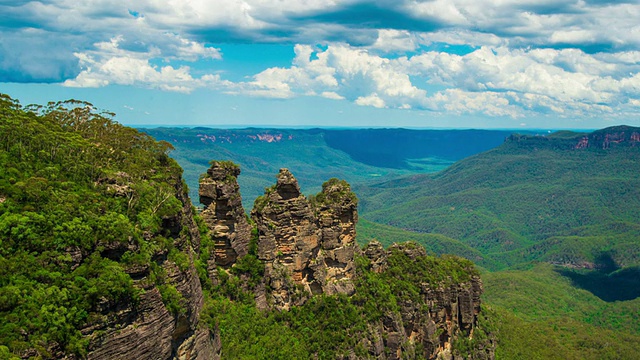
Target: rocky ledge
442	313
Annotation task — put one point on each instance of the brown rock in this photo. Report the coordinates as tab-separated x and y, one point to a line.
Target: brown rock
377	255
148	330
451	313
307	246
224	214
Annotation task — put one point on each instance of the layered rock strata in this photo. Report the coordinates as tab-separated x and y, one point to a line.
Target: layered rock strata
223	213
147	329
452	314
307	246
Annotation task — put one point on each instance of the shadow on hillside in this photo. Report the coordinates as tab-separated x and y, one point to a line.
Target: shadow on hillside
608	282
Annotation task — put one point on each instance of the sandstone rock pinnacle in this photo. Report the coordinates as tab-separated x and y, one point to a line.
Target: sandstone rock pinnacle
223	213
307	246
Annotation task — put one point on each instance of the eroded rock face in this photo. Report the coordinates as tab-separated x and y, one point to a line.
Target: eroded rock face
224	214
149	330
452	313
307	247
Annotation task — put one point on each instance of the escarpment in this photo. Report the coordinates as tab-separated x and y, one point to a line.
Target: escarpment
97	241
440	313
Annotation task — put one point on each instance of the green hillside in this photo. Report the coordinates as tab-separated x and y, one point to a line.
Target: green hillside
84	202
435	243
540	314
533	198
556	220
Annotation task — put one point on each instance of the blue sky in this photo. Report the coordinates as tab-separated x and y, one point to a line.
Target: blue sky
402	63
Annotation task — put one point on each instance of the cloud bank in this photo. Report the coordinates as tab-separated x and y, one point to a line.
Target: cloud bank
496	58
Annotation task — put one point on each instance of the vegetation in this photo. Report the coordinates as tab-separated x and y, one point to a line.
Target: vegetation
533	198
82	200
434	243
539	314
325	327
85	202
333	191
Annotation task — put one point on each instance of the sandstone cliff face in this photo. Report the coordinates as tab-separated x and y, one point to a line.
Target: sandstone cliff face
617	136
452	314
307	248
149	330
224	214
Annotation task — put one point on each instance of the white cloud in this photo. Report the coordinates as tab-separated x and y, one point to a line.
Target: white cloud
339	72
458	102
371	100
394	40
445	10
110	64
513	67
332	95
491	81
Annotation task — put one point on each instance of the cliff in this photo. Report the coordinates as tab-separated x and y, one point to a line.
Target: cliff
149	329
307	247
97	241
439	314
604	139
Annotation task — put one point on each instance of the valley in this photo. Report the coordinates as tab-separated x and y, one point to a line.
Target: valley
552	221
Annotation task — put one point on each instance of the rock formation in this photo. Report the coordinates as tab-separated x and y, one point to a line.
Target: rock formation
223	212
307	246
452	314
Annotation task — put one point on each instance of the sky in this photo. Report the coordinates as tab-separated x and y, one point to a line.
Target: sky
548	64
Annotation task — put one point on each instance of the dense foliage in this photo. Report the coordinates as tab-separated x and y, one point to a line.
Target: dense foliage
533	198
325	327
82	199
540	314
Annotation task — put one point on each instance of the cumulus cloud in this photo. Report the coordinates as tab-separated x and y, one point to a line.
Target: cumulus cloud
499	58
110	64
495	81
339	72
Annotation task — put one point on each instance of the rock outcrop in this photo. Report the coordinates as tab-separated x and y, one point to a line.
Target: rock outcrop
223	213
147	329
307	246
452	314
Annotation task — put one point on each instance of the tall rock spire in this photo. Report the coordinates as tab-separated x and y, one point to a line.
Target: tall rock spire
307	246
223	212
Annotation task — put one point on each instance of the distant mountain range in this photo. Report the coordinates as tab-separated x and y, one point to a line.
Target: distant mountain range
357	155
